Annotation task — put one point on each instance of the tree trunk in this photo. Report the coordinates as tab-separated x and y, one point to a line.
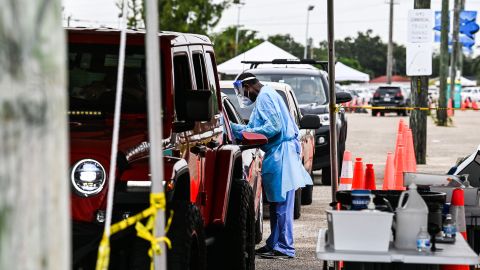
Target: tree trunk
34	190
418	119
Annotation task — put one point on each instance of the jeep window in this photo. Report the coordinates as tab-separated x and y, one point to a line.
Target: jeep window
244	112
93	78
182	83
200	73
212	79
308	89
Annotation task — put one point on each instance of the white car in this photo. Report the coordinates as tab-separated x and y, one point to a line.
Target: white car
471	92
433	93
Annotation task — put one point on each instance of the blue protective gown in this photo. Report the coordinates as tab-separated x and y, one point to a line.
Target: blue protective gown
282	170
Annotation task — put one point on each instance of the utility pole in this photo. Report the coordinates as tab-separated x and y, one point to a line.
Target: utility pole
239	6
419	93
455	47
390	45
309	8
34	179
443	72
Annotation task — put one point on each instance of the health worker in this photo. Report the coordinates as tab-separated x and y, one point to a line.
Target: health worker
282	169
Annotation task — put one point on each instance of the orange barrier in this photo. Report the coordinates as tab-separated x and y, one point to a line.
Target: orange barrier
389	175
370	178
358	177
346	177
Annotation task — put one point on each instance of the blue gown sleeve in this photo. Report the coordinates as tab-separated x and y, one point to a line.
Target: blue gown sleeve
237	130
270	120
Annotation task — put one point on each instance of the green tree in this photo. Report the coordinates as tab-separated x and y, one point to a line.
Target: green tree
224	42
190	16
287	43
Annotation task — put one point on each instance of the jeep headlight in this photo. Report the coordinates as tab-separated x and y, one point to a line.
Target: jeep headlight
88	177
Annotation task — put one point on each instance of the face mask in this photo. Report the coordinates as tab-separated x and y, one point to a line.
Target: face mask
242	95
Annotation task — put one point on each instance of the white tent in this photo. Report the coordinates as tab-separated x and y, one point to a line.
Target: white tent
267	51
463	81
346	73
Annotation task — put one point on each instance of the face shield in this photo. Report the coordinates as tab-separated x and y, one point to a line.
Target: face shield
241	93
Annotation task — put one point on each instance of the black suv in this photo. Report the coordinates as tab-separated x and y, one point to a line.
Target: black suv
390	96
310	85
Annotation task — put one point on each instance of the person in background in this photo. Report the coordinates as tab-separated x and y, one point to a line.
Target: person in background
282	170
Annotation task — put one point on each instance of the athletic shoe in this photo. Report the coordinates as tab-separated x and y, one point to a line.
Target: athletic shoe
274	254
263	250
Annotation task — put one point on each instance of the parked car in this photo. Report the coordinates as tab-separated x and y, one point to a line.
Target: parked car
307	136
471	92
211	182
302	78
390	96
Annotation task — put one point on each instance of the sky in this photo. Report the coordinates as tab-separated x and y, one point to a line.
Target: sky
270	17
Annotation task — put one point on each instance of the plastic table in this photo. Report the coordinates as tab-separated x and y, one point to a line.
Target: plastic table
457	253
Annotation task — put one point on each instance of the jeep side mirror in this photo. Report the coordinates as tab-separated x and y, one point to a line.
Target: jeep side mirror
342	97
310	121
252	140
199	105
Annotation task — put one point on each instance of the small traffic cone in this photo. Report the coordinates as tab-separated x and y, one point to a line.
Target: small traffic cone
474	105
370	178
449	108
410	153
389	175
399	168
463	105
346	176
457	210
400	141
358	177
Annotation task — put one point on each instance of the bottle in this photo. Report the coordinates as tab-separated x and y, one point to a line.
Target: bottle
423	240
410	217
449	227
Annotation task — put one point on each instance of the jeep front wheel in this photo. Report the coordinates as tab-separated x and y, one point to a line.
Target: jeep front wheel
235	245
188	238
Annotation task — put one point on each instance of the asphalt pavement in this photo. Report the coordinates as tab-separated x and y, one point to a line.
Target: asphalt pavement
371	138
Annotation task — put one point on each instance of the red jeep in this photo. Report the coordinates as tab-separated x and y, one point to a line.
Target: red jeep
208	184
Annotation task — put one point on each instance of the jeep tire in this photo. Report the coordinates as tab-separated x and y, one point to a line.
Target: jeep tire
297	207
188	238
307	192
326	176
235	246
259	222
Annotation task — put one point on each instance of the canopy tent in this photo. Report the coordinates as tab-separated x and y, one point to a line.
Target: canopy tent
346	73
463	81
267	51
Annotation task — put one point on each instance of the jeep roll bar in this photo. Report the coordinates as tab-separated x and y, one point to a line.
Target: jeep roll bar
255	64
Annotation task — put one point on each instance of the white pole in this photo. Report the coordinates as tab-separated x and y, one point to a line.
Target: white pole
239	6
155	132
116	121
309	8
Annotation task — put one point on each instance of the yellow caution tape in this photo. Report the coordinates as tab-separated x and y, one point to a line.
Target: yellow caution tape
403	108
157	202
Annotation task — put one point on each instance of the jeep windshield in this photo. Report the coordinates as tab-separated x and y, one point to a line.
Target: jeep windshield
93	78
308	89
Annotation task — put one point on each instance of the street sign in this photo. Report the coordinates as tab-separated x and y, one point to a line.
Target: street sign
468	28
420	42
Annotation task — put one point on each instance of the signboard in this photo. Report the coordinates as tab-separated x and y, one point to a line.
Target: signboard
468	28
420	42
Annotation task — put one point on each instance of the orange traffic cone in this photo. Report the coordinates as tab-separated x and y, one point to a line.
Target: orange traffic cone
399	168
457	209
474	105
400	141
463	105
358	178
449	108
389	175
370	177
346	176
410	153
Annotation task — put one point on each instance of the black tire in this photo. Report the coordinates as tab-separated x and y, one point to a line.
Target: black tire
188	238
382	113
235	248
374	113
307	193
297	207
326	176
259	222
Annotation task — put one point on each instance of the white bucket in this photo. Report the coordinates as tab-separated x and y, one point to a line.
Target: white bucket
359	230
